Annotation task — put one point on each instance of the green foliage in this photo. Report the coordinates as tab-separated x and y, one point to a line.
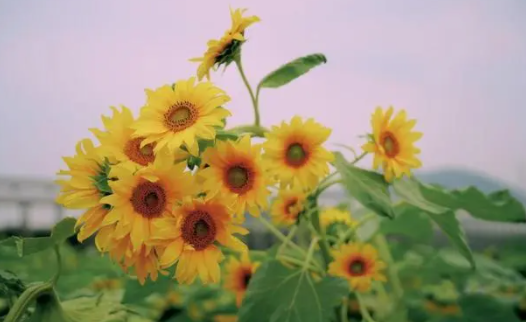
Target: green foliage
136	293
410	222
484	308
368	187
292	70
101	180
279	294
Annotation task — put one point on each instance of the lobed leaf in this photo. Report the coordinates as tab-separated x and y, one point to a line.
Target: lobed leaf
279	294
292	70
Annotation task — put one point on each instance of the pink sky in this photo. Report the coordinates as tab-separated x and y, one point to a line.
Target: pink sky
459	67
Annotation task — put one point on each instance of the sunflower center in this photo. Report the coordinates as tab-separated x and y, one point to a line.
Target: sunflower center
247	276
290	207
148	199
239	178
180	116
390	144
357	267
134	152
199	229
296	155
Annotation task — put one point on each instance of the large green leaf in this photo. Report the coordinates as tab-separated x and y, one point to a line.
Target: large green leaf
410	222
63	230
484	308
292	70
135	293
279	294
368	187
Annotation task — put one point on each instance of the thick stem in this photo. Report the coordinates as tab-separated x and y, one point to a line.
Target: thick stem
55	278
252	96
312	266
310	253
322	242
385	254
25	300
289	237
279	235
363	309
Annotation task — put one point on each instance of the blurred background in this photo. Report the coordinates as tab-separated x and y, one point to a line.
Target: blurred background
458	67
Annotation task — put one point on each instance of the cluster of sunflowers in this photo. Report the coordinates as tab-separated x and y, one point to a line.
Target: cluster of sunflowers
173	185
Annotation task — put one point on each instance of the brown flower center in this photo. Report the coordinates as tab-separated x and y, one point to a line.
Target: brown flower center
199	229
291	207
296	155
247	276
142	156
390	144
180	116
239	178
357	267
148	199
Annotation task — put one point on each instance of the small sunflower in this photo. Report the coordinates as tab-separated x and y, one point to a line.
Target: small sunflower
359	264
225	50
189	235
392	143
118	143
295	153
235	170
287	206
238	275
336	223
178	116
88	171
143	195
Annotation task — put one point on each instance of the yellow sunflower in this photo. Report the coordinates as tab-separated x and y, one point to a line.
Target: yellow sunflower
141	196
295	153
287	206
188	237
392	143
334	215
235	170
359	264
224	50
120	146
238	275
83	191
181	115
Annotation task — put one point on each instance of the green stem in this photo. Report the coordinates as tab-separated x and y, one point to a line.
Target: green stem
55	278
361	156
301	263
252	96
279	235
363	309
308	258
327	185
343	311
324	247
255	130
25	300
289	237
385	254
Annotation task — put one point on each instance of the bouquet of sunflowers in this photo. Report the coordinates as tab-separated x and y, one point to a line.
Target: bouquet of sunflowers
168	191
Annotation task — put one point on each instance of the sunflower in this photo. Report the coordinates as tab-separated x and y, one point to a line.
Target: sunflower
236	172
87	185
238	275
392	143
181	115
295	154
143	195
336	223
287	207
120	146
359	264
225	50
188	237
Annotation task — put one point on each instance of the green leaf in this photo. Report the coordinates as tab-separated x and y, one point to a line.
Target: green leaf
498	206
279	294
32	245
413	191
368	187
292	70
410	222
135	293
9	282
484	308
63	230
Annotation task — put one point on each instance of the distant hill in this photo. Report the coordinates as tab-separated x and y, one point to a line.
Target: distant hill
454	178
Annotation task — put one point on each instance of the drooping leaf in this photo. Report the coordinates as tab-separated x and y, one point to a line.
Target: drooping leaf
279	294
413	191
484	308
410	222
368	187
63	230
292	70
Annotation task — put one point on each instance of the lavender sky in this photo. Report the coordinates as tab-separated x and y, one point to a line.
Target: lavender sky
458	67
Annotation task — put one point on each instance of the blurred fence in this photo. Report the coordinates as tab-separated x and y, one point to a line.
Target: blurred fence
28	204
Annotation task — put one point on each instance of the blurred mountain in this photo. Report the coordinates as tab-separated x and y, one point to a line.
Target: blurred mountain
455	178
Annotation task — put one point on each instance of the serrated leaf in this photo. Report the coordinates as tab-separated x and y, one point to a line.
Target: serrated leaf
411	222
279	294
292	70
368	187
